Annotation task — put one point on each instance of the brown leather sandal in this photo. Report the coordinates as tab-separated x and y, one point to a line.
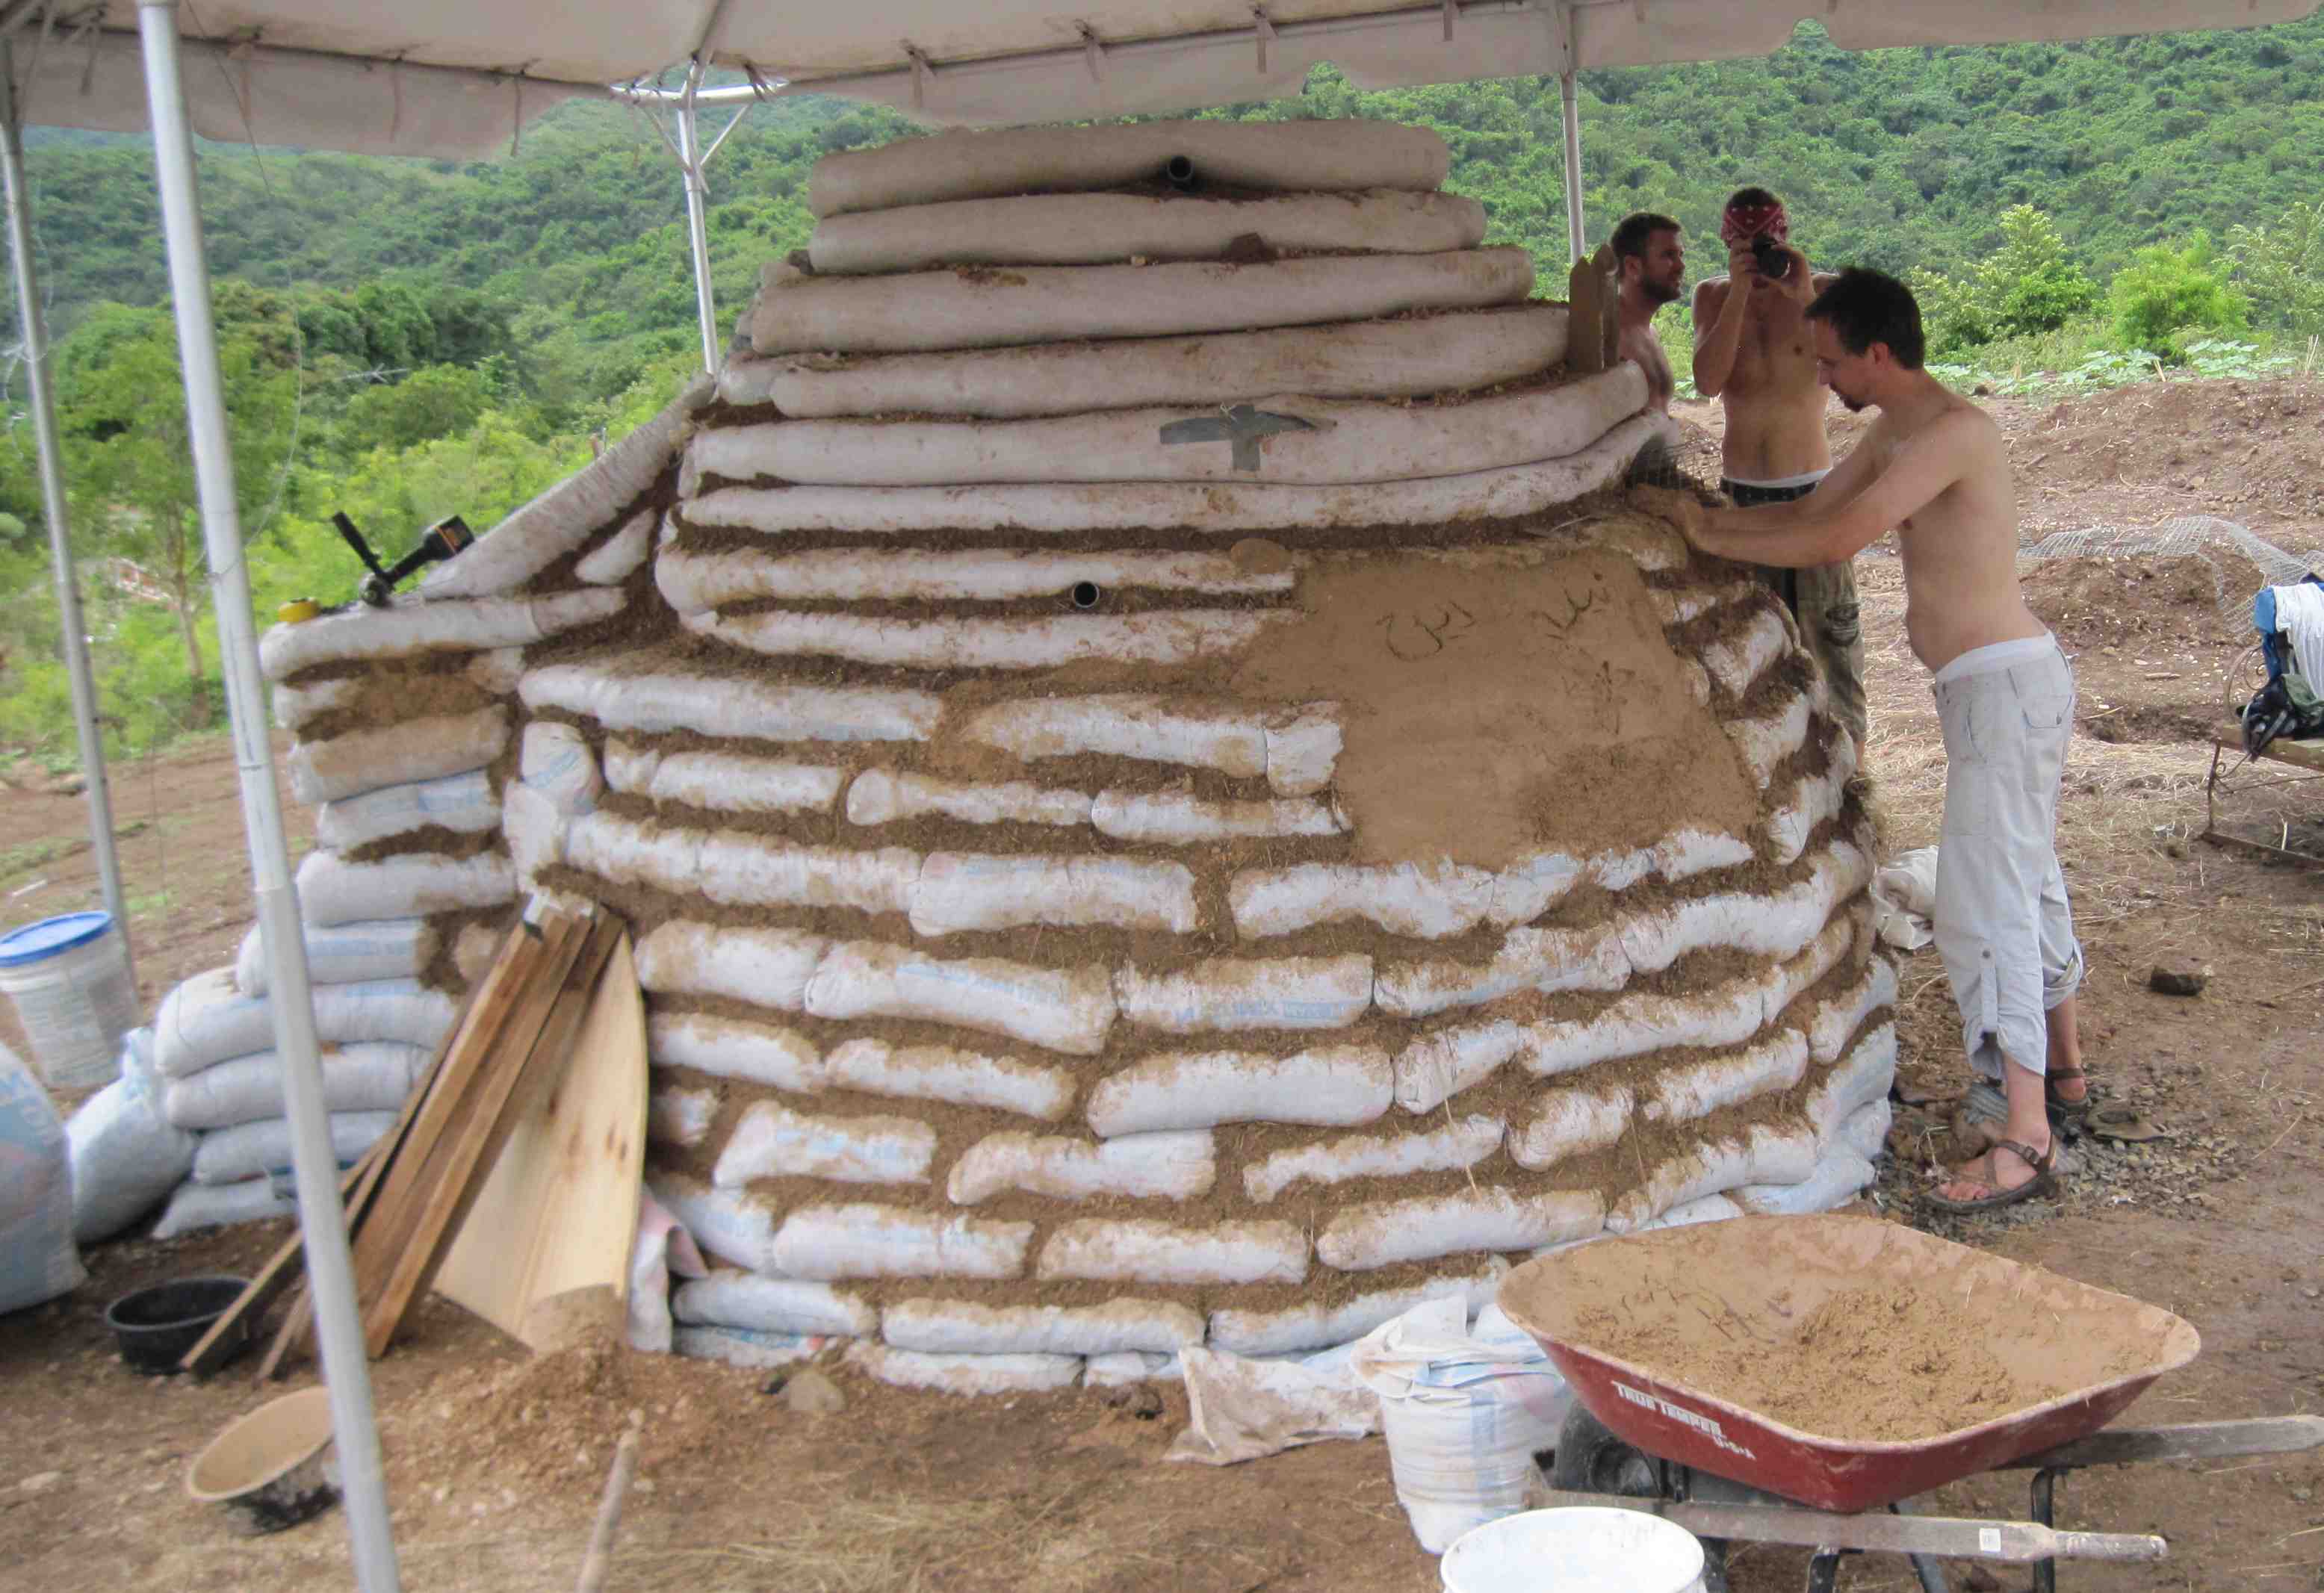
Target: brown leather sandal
2064	1113
2044	1181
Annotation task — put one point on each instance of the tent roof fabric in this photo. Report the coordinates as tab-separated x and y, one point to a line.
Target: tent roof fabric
453	77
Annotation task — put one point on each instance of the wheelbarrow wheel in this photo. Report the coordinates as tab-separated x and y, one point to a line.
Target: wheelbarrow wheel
1590	1459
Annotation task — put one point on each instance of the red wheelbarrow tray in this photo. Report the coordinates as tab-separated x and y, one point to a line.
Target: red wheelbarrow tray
1778	1268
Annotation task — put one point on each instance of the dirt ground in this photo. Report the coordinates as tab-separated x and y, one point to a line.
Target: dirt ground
495	1461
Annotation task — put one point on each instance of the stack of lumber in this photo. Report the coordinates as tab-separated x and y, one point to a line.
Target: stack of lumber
481	1185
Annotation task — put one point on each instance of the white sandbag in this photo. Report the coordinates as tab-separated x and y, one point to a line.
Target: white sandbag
1838	1018
832	1242
1529	959
958	890
1315	1325
1430	901
765	967
730	1225
536	834
1839	1172
1107	229
1465	1410
730	1299
496	671
964	1327
1227	994
555	759
1157	636
1760	1154
694	582
257	1150
1422	1228
1737	660
1680	855
772	1141
462	803
965	1374
474	953
1831	948
662	1247
877	796
733	1048
1126	1366
1331	1086
365	1076
617	558
224	1205
1173	1166
334	891
943	1073
734	868
1329	156
1572	1123
723	782
1861	1078
397	754
414	624
1697	1089
713	705
1068	1009
1780	924
206	1020
1361	359
1462	1143
383	948
1214	508
1163	730
123	1153
680	1117
1238	1409
1338	441
1770	738
294	706
1174	818
1904	899
1865	1130
561	519
1145	1250
1813	799
1679	607
916	311
746	1347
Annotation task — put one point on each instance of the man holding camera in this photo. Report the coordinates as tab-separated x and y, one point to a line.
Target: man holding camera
1753	352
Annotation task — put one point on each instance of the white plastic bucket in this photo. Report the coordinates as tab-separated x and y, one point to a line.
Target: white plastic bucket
1582	1550
69	979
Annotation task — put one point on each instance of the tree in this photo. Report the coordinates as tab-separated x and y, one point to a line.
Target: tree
2284	265
2164	291
2028	285
132	466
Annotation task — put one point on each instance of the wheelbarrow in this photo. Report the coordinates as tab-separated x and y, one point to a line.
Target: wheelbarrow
1678	1447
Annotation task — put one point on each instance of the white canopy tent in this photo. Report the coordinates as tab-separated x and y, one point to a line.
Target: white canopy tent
459	77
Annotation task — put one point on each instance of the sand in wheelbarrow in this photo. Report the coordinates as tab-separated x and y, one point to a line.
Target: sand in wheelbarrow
1814	1338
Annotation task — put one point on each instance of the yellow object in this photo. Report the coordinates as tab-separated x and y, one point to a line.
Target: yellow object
297	610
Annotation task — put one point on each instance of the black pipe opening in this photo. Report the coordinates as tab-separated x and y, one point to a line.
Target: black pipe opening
1085	595
1179	172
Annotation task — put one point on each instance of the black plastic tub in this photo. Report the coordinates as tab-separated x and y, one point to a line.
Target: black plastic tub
156	1326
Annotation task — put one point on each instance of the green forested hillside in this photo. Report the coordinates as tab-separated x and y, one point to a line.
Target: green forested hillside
405	339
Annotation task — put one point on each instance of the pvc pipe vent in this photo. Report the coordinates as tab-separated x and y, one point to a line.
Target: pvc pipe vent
1085	595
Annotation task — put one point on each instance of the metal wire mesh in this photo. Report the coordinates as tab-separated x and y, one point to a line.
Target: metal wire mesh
2205	537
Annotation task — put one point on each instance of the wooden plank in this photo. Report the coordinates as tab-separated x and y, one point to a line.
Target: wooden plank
280	1271
511	1009
2192	1441
450	1181
554	1222
2299	754
1952	1537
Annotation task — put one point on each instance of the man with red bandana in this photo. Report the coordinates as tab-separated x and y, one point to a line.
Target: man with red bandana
1753	352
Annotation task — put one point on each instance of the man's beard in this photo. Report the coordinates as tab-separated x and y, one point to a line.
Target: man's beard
1658	293
1855	405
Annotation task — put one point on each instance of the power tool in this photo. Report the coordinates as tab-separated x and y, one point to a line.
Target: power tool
446	537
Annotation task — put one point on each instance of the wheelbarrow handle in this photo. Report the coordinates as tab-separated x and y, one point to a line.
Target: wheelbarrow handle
2125	1547
1951	1537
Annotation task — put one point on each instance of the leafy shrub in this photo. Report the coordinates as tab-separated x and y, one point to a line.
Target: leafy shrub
2164	291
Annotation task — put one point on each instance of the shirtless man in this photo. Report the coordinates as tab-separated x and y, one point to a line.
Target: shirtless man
1936	469
1653	263
1752	353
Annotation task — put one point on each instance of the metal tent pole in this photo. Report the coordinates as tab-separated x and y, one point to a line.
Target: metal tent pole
697	225
1568	91
53	504
322	1223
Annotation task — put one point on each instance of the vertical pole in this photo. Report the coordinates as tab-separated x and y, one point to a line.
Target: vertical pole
1568	91
53	505
698	223
322	1223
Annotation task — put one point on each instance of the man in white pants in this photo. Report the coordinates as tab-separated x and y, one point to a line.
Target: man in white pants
1935	468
